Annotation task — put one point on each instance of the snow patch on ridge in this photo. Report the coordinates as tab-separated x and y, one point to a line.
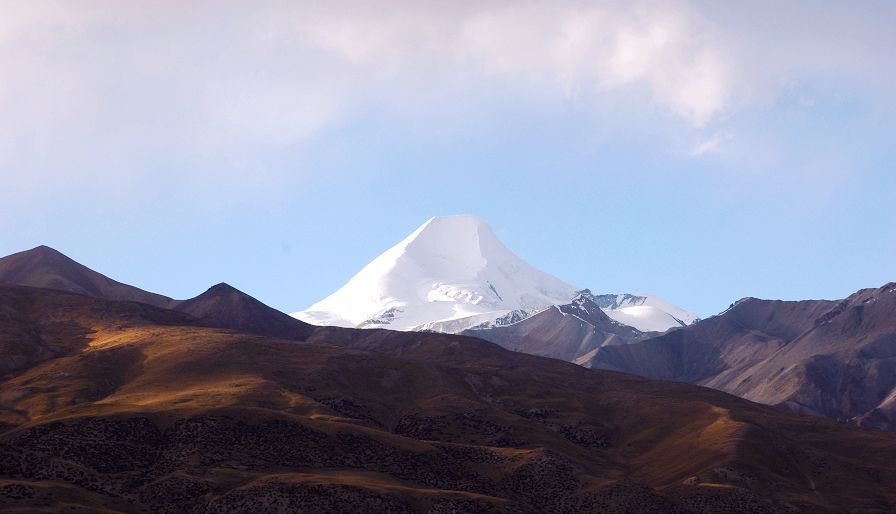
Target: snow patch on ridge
645	318
645	312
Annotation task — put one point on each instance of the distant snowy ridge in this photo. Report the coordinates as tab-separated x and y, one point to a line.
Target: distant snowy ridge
646	312
479	322
452	274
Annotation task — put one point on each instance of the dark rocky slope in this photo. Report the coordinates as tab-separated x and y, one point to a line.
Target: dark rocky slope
565	332
829	358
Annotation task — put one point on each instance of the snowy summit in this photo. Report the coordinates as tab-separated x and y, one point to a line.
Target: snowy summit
453	273
451	268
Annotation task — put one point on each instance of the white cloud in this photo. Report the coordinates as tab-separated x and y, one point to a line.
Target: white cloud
229	69
95	90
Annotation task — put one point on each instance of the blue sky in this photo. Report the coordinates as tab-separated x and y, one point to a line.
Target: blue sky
701	151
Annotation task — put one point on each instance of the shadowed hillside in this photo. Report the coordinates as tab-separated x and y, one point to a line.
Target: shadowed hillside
45	267
121	406
221	306
828	358
224	306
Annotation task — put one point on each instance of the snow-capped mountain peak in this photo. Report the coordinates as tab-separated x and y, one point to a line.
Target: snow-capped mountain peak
453	273
451	267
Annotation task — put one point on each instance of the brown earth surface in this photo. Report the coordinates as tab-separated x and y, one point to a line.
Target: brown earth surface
121	406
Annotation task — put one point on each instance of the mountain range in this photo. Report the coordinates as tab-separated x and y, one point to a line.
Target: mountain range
828	358
122	406
117	399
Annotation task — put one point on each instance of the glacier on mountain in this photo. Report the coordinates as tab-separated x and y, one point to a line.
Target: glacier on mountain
452	274
452	267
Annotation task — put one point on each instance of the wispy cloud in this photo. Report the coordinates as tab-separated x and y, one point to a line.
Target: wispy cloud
669	49
710	144
97	91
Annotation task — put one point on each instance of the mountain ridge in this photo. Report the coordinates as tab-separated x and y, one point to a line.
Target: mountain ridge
224	306
124	406
43	266
565	332
835	358
221	306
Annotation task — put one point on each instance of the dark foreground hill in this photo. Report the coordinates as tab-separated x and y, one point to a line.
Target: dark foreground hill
828	358
45	267
221	306
120	406
224	306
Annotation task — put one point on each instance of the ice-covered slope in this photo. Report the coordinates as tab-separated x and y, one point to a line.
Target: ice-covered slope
646	312
452	274
452	267
644	317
